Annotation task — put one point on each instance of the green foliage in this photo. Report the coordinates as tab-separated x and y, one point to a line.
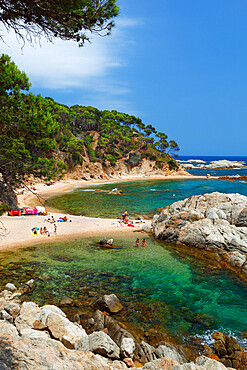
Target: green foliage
42	138
68	20
173	147
12	80
110	158
3	208
91	152
27	129
172	164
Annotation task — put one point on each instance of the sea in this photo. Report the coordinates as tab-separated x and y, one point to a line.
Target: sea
145	198
172	292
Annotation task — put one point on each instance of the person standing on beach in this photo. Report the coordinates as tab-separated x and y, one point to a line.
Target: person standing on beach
143	242
124	214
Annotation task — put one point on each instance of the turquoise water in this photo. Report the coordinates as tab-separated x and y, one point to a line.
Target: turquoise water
139	197
158	285
161	288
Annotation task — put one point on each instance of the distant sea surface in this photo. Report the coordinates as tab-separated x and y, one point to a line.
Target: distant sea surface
216	172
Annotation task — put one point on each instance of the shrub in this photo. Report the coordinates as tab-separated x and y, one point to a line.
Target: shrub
3	208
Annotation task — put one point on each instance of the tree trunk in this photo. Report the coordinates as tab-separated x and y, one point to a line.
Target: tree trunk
7	194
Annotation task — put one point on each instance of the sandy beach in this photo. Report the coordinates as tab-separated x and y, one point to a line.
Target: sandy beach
17	230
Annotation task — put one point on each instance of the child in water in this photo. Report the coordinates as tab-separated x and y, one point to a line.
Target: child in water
137	243
143	242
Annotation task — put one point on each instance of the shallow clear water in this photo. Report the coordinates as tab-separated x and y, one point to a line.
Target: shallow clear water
158	285
139	197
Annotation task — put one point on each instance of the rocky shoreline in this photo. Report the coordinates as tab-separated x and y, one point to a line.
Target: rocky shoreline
212	222
33	337
213	165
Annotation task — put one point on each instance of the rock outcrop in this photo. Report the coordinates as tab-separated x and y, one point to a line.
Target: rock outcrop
33	338
220	164
89	170
216	222
229	351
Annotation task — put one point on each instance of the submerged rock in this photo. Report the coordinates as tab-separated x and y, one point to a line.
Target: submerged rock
109	303
66	301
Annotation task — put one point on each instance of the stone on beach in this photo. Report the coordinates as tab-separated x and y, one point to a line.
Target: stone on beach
29	313
170	352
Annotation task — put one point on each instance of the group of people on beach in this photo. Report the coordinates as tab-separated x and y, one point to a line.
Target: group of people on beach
50	220
44	230
126	220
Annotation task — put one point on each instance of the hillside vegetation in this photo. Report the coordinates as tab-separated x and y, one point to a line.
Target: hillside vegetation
43	138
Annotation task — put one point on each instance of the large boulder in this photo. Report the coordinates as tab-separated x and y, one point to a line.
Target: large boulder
73	336
109	303
127	347
229	351
100	321
215	222
29	313
102	344
43	353
170	352
8	330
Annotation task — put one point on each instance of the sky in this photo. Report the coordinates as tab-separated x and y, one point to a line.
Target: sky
178	65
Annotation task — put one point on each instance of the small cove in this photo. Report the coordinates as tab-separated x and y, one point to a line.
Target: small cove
160	287
140	198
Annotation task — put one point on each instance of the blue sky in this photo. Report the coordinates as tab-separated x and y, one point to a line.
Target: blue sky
179	65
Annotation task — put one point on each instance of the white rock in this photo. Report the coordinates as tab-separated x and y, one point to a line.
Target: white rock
6	329
29	313
12	308
11	287
4	315
47	309
102	344
31	333
209	364
170	352
71	335
212	214
127	347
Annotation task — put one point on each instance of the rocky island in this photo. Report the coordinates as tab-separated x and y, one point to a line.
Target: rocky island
219	164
